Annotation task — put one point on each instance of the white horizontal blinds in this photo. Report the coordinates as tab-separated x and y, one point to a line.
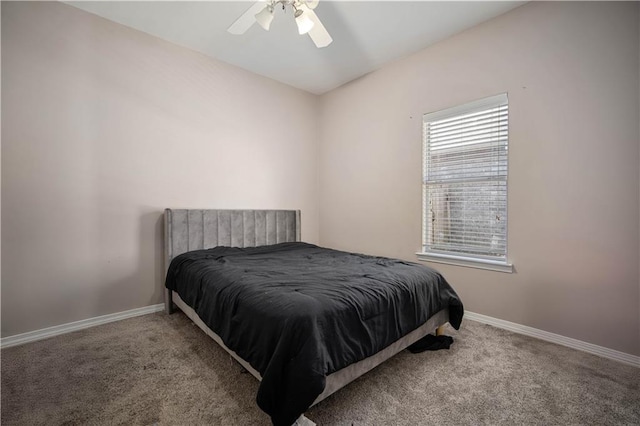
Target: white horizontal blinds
465	179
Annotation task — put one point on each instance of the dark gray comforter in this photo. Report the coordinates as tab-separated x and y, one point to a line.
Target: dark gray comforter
297	312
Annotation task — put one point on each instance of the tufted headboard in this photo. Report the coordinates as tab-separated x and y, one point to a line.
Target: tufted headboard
186	230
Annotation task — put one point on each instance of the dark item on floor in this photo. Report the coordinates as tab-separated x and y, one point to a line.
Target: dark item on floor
431	343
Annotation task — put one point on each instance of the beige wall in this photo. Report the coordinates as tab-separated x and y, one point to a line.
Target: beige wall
103	127
571	72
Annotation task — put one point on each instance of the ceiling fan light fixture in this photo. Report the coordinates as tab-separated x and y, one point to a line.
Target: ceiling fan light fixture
265	17
304	23
262	12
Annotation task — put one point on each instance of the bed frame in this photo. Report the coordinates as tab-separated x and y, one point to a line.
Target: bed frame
187	230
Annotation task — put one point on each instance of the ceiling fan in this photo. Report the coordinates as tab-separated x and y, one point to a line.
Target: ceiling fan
306	19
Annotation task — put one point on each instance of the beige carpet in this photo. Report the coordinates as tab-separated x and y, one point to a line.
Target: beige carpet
162	369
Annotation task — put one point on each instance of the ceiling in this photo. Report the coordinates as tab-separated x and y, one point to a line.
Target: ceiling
366	34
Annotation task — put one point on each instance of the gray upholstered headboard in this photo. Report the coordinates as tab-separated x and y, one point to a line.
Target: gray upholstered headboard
186	230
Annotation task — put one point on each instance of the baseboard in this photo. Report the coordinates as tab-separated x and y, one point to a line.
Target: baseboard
32	336
556	338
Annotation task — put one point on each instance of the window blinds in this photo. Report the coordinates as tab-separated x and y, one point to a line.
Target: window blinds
465	179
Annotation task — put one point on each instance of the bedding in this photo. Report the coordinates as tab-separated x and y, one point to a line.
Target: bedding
297	312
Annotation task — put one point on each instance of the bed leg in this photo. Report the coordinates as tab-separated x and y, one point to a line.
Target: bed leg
440	330
168	302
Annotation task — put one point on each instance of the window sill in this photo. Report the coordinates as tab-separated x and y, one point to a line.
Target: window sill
469	262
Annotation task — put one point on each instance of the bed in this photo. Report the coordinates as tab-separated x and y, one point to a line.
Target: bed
271	300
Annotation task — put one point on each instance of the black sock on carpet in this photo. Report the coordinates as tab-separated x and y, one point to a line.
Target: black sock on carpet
431	343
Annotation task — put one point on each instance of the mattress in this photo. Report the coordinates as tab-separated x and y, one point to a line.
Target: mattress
297	312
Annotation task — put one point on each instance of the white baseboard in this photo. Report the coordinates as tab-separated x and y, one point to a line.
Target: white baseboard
32	336
556	338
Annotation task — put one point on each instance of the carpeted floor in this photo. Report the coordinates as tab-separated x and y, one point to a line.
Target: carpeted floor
163	369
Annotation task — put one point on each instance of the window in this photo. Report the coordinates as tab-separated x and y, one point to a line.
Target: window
465	153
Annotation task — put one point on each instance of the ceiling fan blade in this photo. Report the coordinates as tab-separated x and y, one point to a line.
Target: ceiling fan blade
318	33
247	19
311	4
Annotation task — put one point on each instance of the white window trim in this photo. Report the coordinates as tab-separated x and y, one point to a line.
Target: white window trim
461	260
469	262
490	102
